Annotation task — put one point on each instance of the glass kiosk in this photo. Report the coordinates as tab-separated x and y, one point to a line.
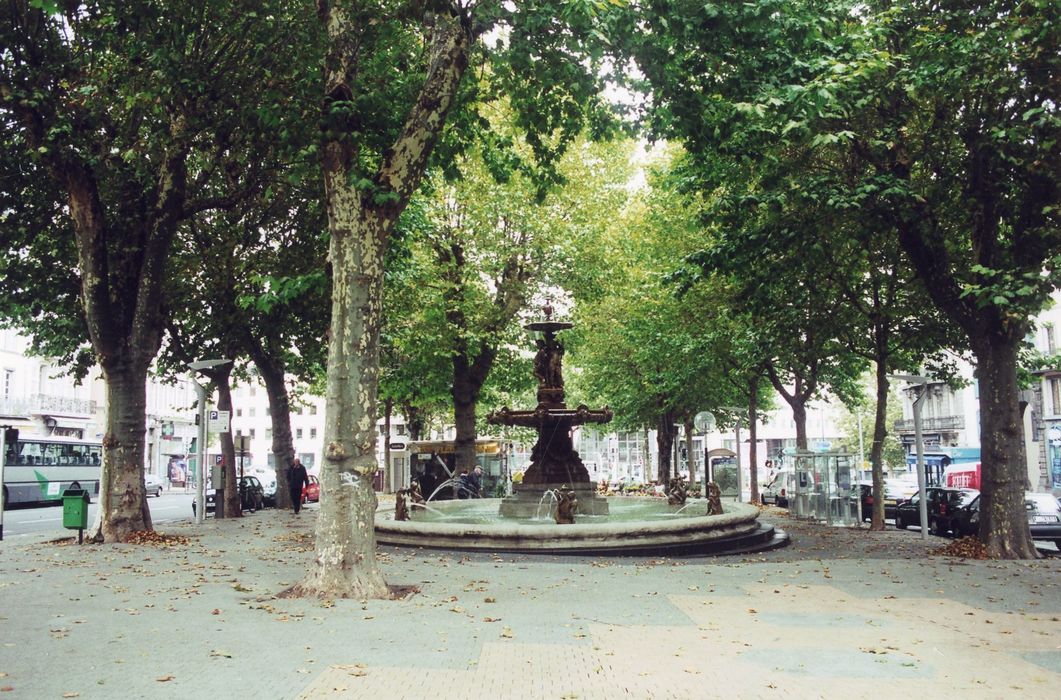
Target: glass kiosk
825	487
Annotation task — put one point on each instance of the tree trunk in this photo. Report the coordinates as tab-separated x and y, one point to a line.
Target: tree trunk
465	399
876	454
1003	519
646	453
799	415
796	399
273	376
664	444
690	456
346	565
122	504
753	452
414	421
232	507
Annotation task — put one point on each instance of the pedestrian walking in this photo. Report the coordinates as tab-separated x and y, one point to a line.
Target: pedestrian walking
297	478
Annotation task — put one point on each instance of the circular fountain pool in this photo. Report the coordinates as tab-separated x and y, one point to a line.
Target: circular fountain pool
633	527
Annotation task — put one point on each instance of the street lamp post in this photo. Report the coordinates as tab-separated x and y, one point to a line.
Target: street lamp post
200	459
921	384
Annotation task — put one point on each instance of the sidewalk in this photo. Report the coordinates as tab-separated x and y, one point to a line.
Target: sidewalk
845	612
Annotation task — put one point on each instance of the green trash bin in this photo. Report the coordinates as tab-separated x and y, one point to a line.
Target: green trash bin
75	509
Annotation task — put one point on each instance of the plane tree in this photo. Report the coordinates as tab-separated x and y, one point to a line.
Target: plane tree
397	95
950	117
116	118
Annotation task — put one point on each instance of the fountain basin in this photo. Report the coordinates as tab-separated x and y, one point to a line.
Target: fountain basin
654	530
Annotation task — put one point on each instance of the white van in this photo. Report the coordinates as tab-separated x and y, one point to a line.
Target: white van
779	489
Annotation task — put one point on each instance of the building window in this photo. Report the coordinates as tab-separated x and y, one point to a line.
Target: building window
268	433
250	412
298	433
1051	348
298	410
252	433
9	383
253	391
313	409
239	413
313	433
1055	395
268	411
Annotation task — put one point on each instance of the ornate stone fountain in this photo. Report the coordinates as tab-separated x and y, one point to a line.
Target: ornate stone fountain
632	526
554	462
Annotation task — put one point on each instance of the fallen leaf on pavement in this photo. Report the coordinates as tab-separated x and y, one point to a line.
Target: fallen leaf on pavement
165	678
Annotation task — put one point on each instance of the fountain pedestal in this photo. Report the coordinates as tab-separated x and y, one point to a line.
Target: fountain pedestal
554	462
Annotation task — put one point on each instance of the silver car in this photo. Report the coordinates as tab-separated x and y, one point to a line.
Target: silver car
153	485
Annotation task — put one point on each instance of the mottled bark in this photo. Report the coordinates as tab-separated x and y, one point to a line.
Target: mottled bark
1003	518
124	320
346	563
359	224
122	503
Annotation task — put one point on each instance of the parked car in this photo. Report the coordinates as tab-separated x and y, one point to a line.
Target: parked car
893	496
153	485
269	491
311	492
250	491
1044	517
951	512
908	512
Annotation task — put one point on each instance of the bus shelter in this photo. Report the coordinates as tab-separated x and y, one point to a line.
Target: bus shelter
825	487
434	462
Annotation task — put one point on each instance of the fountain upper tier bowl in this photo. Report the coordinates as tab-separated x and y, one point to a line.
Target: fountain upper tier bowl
635	527
549	326
539	416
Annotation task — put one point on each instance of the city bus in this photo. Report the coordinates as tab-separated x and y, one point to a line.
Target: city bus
39	469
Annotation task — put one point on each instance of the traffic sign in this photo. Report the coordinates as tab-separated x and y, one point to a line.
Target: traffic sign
218	421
